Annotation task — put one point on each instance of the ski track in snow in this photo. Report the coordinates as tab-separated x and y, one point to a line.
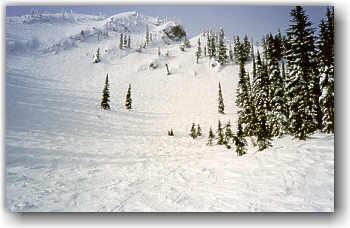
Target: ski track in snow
64	154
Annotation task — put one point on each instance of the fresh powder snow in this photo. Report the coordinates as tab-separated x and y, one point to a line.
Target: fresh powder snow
65	154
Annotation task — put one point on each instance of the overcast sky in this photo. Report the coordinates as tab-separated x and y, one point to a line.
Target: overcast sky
236	20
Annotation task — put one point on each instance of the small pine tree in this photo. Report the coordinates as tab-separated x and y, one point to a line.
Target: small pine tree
220	138
105	96
158	51
97	58
205	50
171	133
193	133
221	106
129	42
228	133
199	130
128	100
210	137
240	141
199	50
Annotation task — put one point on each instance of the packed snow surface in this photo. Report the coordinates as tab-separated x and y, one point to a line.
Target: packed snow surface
63	153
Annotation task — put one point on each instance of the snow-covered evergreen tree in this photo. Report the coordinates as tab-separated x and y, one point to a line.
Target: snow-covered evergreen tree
210	137
205	50
97	57
128	100
121	41
244	104
327	65
105	96
158	51
129	42
220	133
213	47
147	35
199	130
228	133
240	141
230	53
199	50
193	132
222	50
277	121
302	89
261	94
221	106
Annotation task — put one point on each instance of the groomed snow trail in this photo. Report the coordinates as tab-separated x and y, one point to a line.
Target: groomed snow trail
64	154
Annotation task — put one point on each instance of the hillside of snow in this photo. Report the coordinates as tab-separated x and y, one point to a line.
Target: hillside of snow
63	153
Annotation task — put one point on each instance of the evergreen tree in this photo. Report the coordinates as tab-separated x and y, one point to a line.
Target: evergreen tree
158	51
230	53
167	69
199	50
205	50
147	35
326	65
221	106
302	89
128	100
261	89
193	133
213	47
244	103
121	42
228	133
239	140
220	138
125	42
209	45
277	120
105	96
129	42
210	137
97	58
199	130
171	133
222	55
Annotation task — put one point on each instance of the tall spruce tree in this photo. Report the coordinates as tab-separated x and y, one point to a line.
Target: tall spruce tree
261	94
128	100
105	96
302	89
222	52
277	120
244	103
147	35
199	50
213	47
221	106
97	57
327	65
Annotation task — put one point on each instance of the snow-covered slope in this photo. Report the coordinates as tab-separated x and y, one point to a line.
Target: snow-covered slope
64	154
